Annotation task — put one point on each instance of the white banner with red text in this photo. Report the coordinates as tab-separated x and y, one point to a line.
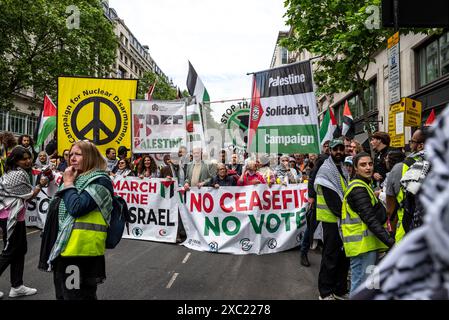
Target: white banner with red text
245	220
37	208
153	207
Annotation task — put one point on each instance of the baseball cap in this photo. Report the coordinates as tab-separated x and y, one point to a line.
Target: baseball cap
122	149
336	142
348	160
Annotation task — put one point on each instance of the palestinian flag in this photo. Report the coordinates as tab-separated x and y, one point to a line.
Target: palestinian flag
167	189
196	87
430	119
47	123
328	127
194	125
348	122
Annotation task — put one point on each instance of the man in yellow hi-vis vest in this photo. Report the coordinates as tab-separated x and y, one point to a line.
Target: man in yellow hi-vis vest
330	184
362	218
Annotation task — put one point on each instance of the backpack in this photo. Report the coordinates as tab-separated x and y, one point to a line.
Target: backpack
120	217
413	208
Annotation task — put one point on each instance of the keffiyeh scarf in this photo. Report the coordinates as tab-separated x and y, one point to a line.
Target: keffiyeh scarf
102	198
328	176
418	268
15	188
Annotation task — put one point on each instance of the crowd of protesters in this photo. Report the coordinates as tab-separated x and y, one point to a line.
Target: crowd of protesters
364	200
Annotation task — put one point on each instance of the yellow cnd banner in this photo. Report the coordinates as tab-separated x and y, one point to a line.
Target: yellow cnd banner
95	109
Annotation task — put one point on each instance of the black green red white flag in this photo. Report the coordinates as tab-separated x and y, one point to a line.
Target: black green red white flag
283	115
47	122
195	86
348	122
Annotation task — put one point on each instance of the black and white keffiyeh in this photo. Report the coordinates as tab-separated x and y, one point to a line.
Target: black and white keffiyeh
15	188
329	177
418	267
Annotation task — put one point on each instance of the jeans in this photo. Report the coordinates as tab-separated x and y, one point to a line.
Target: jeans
305	243
360	268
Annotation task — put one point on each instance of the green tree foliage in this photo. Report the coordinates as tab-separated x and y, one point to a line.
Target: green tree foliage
343	33
41	40
162	91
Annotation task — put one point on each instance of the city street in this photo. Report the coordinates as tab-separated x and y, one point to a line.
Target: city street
143	270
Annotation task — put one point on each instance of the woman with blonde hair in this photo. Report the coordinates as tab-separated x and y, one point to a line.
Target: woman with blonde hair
83	215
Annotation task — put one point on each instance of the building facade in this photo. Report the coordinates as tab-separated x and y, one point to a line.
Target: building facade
424	76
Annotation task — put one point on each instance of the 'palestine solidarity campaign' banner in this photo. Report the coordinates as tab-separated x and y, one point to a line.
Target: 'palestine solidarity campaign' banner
283	116
251	219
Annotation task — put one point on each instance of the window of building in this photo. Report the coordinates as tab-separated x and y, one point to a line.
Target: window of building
3	123
126	60
121	56
434	60
284	55
17	123
355	103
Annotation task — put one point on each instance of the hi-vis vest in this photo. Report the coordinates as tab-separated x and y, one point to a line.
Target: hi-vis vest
400	231
357	238
88	237
323	213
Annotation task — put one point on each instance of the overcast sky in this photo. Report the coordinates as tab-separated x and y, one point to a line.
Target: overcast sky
223	39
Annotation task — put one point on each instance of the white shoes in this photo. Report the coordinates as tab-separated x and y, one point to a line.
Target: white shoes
1	294
21	291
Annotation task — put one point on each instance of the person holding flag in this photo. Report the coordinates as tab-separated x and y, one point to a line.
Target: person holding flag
47	123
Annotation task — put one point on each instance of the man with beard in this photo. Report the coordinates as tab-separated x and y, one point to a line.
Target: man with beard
27	142
330	185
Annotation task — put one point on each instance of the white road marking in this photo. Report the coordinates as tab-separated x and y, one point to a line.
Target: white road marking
186	258
27	233
173	278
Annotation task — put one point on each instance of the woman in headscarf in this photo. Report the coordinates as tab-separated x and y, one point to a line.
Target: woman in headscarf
15	190
42	160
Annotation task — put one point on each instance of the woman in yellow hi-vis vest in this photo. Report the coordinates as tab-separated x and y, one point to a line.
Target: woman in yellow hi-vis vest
362	218
83	214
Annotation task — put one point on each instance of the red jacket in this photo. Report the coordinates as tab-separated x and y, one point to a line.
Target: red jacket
250	180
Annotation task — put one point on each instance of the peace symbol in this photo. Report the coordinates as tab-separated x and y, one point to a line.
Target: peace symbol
96	124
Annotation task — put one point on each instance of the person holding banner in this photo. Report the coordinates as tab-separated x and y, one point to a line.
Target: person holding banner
174	169
83	216
222	179
198	172
15	190
122	169
147	168
250	176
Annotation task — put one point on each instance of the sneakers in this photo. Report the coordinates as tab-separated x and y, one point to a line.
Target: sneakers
21	291
341	297
305	260
1	294
329	297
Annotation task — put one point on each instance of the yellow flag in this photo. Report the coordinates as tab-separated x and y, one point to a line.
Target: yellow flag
95	109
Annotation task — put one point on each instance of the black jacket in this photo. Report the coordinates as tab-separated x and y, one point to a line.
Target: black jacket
360	201
318	163
228	181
